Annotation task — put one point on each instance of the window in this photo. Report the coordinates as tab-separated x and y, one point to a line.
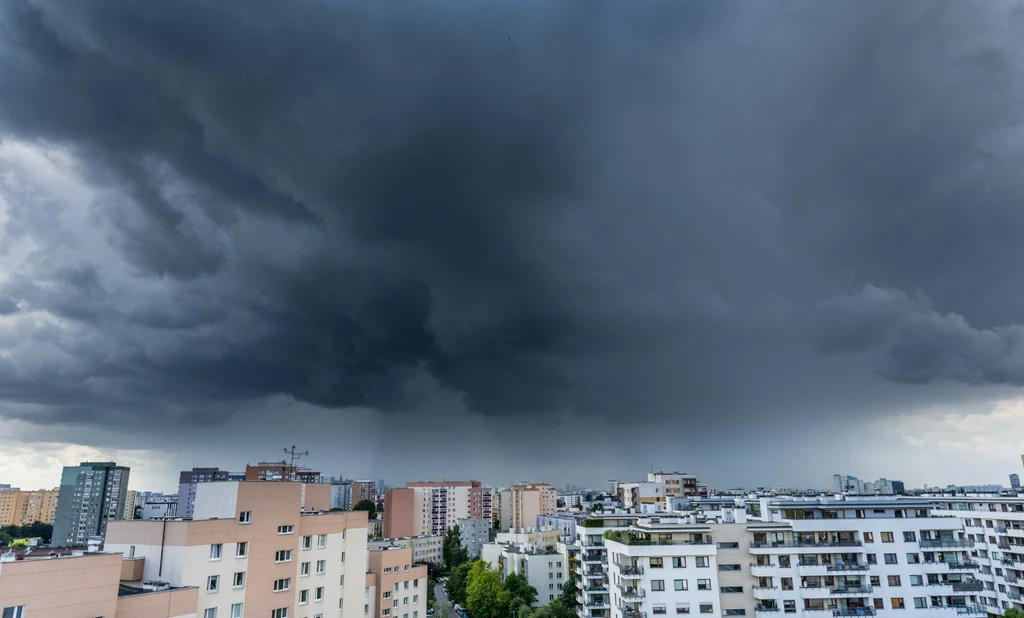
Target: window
657	563
872	559
920	602
238	581
283	555
789	607
387	595
893	580
241	550
682	608
732	589
405	600
660	609
307	542
869	537
897	603
657	584
280	585
681	584
286	529
916	580
784	562
279	613
321	541
415	598
386	612
303	597
703	584
679	563
891	559
728	567
236	610
213	583
734	612
17	611
909	537
703	562
215	551
878	603
321	568
244	517
405	585
304	569
913	559
394	603
210	612
707	608
887	537
727	545
876	580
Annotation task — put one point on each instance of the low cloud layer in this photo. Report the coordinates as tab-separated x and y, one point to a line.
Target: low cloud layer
696	211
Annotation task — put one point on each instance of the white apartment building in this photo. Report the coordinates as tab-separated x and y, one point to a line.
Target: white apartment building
591	562
995	528
256	548
544	569
437	506
425	548
546	538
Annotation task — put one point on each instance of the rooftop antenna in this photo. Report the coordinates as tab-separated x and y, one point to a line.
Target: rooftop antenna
294	454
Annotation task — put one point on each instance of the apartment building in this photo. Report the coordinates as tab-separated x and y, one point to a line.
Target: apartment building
660	488
432	507
256	549
564	522
85	585
590	561
520	505
545	569
280	471
994	526
426	549
396	587
546	538
21	508
473	535
187	482
158	507
363	490
91	494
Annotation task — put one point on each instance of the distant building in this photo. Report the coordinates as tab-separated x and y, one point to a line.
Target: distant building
341	495
91	494
474	534
546	570
1015	482
521	504
432	507
363	490
425	549
280	471
565	523
187	481
23	507
547	538
398	512
393	583
157	507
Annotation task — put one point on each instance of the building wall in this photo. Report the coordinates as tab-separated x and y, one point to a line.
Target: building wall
520	506
70	587
546	571
402	592
474	534
168	603
81	514
399	514
363	490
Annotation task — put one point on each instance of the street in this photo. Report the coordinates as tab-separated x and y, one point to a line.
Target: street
442	600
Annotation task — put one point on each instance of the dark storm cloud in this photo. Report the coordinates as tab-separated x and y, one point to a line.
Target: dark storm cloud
542	206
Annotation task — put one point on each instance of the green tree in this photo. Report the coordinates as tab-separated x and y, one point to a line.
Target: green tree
452	550
485	596
5	539
19	544
457	581
366	505
568	596
1013	613
519	590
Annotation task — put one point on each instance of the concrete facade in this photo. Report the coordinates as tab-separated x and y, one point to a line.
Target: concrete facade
21	508
91	494
399	585
474	534
520	505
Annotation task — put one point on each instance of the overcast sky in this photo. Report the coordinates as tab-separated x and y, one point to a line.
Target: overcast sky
515	239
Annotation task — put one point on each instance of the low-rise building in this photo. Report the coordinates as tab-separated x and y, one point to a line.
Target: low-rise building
398	585
426	549
86	584
545	538
545	569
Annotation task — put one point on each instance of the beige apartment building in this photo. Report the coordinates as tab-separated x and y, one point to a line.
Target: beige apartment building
432	507
86	585
520	505
21	508
256	548
395	586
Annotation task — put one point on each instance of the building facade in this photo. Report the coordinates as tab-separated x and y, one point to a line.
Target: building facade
363	490
399	585
256	549
547	570
187	481
280	471
91	494
520	505
425	549
473	535
432	507
21	508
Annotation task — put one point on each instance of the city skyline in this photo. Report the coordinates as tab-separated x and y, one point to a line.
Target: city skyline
535	240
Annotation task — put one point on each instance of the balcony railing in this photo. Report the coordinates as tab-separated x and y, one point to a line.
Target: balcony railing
632	593
947	543
767	565
595	558
762	608
785	544
1001	529
850	590
972	610
963	564
595	588
848	566
968	586
1010	576
632	613
597	604
593	573
631	570
861	611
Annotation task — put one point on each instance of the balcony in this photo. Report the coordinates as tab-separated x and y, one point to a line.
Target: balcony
632	595
631	569
969	565
594	573
596	589
797	544
605	604
595	559
592	543
860	611
764	608
857	590
972	610
762	570
946	543
1001	529
631	613
968	586
847	566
